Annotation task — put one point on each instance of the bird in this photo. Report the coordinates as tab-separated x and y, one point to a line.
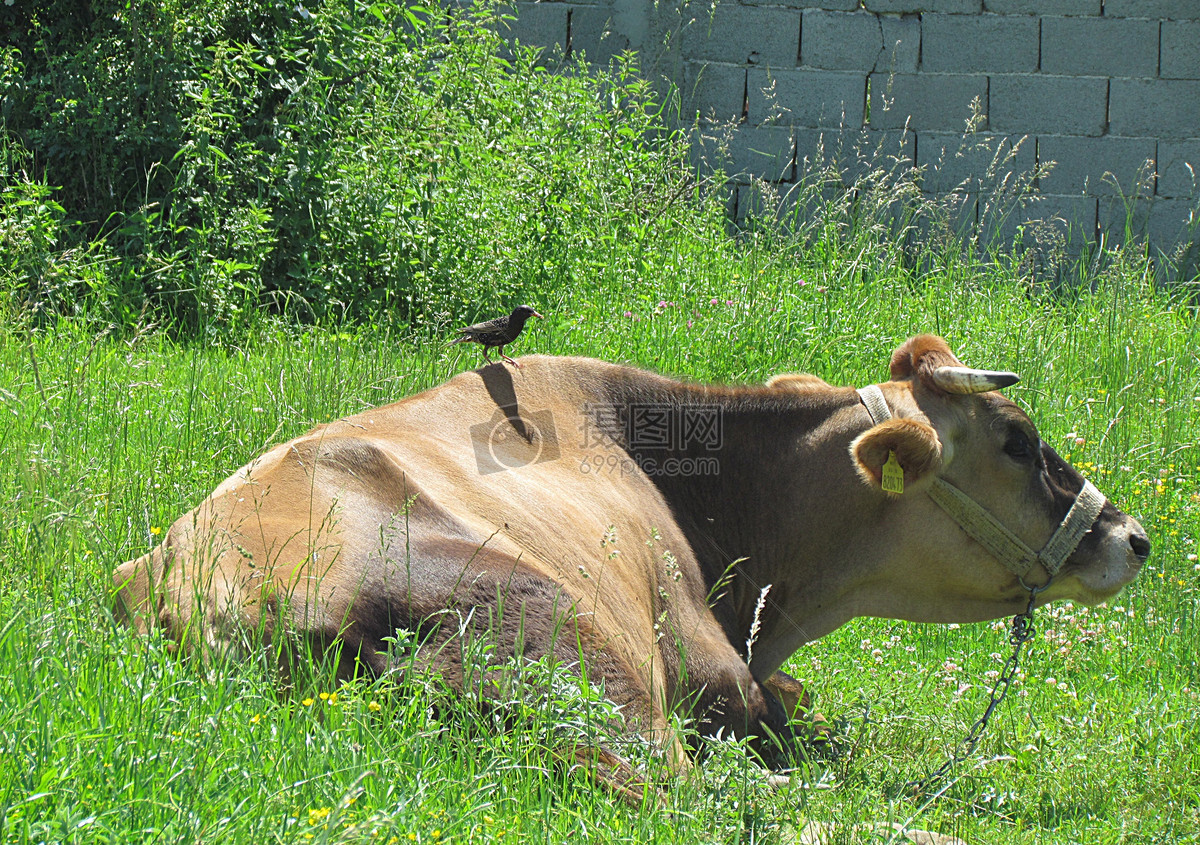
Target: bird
498	332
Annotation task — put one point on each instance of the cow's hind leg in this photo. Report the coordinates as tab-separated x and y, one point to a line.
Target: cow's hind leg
496	629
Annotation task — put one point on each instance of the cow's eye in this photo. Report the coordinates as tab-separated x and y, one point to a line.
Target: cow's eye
1019	447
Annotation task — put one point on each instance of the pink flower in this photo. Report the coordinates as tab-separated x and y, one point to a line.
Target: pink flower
629	314
689	324
714	301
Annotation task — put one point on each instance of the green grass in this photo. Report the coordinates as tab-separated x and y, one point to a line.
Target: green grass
108	737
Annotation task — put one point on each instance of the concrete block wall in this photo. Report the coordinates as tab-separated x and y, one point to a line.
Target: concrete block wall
1107	90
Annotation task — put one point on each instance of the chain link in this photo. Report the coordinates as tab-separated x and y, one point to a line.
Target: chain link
1022	631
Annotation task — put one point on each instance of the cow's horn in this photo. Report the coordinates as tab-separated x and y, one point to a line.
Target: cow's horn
967	380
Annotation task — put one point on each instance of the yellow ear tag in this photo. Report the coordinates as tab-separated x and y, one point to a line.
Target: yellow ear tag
893	475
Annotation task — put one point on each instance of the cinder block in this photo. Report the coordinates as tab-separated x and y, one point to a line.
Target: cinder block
1048	104
840	40
929	101
713	92
1164	223
830	5
979	43
889	149
538	24
1042	7
901	44
1044	219
1099	47
744	35
782	205
1172	9
594	34
823	150
708	151
1179	168
961	213
1180	50
951	7
813	98
1161	108
1098	167
979	162
1173	223
944	216
768	152
871	156
1123	220
860	41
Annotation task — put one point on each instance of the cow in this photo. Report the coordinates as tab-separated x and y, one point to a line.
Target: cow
678	541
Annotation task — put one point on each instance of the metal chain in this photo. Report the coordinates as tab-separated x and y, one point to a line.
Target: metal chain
1022	632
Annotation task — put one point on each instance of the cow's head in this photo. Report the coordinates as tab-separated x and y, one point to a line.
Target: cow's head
951	431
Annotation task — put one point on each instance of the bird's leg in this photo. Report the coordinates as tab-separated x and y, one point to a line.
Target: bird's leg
509	360
485	356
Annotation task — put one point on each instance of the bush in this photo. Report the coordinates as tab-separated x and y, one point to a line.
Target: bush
373	162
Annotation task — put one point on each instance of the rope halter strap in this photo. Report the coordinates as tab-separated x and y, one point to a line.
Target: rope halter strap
986	530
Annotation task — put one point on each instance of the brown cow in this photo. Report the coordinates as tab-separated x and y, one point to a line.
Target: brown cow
682	540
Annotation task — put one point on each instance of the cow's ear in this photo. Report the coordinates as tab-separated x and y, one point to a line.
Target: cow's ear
906	451
799	382
921	355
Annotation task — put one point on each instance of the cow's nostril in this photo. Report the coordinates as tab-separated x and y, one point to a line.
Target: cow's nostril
1140	544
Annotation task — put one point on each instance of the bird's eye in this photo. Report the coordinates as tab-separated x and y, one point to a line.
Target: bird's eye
1019	447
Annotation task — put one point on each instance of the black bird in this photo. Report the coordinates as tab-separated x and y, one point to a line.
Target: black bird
498	332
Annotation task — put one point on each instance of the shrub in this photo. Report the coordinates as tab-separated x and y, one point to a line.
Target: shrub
376	162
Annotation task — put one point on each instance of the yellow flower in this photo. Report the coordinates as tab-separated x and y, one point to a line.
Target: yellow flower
317	814
332	698
256	718
324	696
374	707
155	530
308	702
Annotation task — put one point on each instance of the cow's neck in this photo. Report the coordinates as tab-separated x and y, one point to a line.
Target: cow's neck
773	510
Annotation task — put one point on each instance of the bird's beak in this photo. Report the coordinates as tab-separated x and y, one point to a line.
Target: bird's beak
536	314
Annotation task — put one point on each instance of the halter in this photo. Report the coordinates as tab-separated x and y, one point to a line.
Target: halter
986	530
